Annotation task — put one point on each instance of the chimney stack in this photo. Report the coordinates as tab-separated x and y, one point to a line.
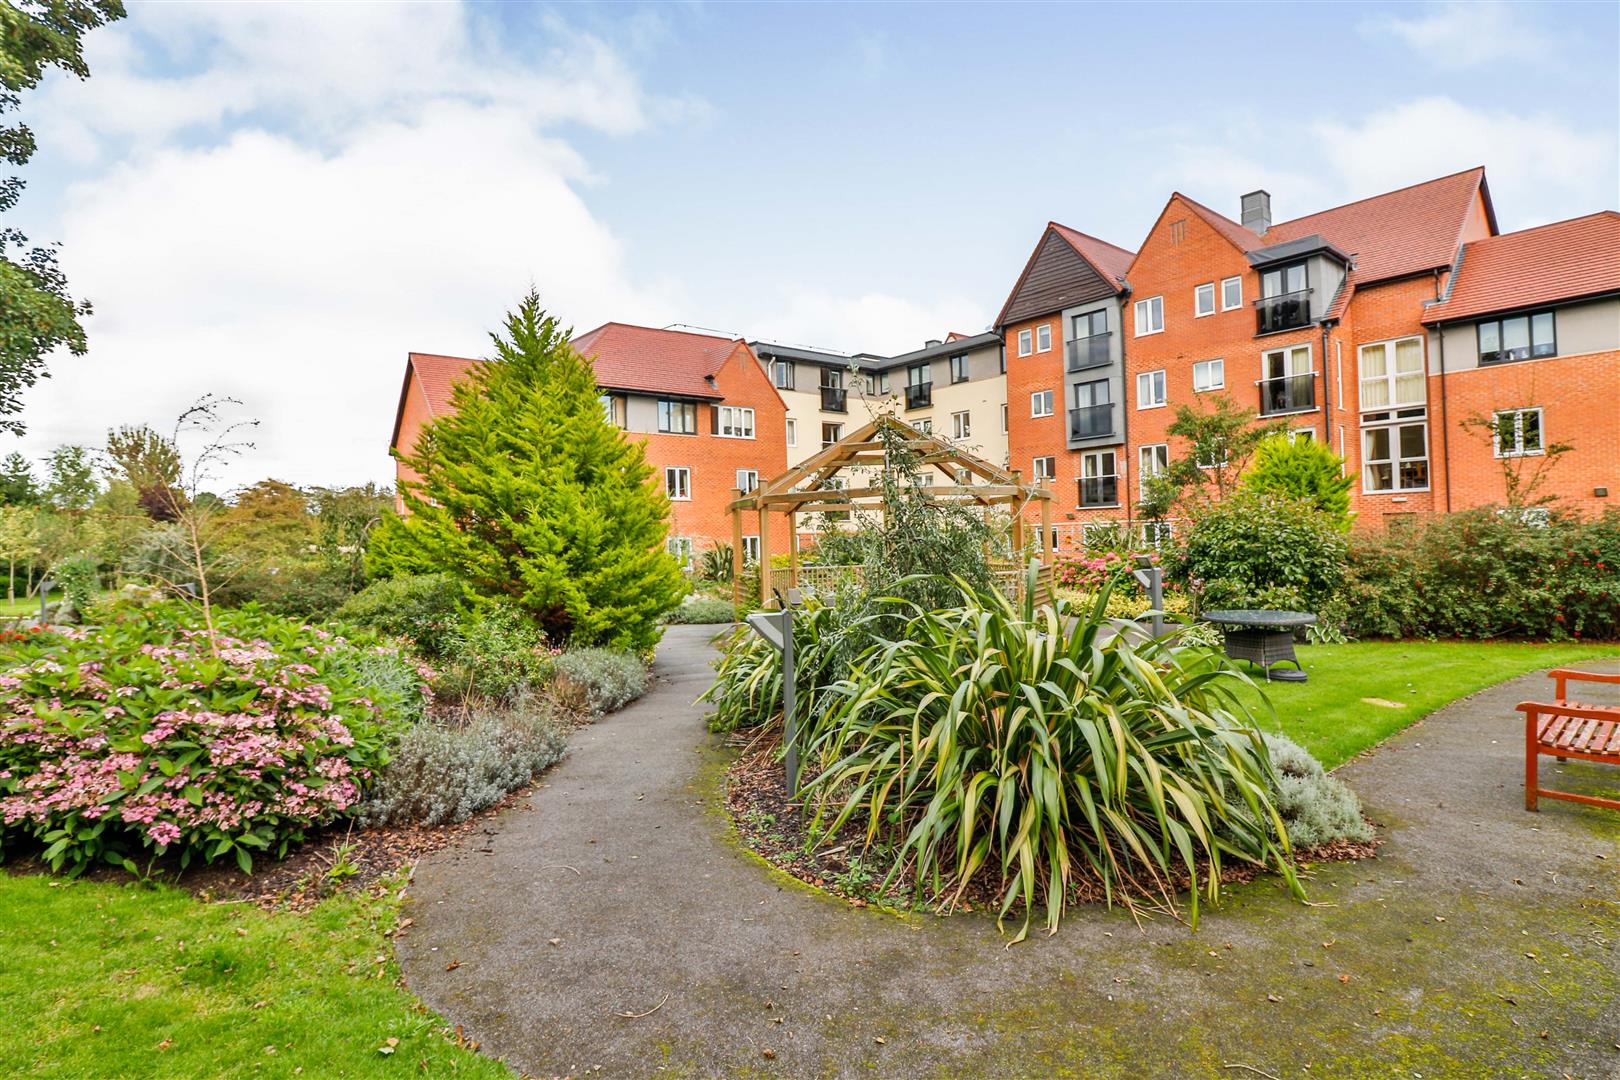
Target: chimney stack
931	342
1257	211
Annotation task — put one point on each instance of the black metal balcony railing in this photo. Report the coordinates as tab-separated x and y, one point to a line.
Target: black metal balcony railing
1291	393
1091	421
1099	491
834	399
1289	311
919	395
1089	352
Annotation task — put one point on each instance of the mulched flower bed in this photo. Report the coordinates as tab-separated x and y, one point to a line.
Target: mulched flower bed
775	828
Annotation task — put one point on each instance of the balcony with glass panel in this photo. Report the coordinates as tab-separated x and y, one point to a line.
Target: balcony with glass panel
1091	421
1290	393
919	395
1099	491
1090	352
834	399
1286	311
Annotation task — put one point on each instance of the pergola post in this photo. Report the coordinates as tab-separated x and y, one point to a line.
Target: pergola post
1046	525
737	561
1018	523
764	555
793	548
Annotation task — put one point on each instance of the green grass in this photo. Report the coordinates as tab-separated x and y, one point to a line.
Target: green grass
1329	717
29	605
109	980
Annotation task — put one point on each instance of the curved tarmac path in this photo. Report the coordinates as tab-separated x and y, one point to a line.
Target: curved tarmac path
1483	941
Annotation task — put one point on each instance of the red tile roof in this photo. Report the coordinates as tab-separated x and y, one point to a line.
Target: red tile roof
1562	261
1400	232
1244	239
436	375
655	361
1109	261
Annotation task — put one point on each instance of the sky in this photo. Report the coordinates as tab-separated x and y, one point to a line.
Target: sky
277	202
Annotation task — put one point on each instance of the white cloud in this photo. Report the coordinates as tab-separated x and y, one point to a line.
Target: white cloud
1459	35
872	322
1539	169
403	198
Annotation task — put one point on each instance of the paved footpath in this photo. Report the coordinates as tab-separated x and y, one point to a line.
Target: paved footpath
1484	941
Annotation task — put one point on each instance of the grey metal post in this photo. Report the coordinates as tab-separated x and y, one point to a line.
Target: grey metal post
45	587
790	724
1152	579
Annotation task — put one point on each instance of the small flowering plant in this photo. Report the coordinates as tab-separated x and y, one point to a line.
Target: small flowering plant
135	736
1089	574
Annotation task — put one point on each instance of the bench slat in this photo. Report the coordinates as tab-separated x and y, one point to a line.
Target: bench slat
1575	735
1602	737
1550	728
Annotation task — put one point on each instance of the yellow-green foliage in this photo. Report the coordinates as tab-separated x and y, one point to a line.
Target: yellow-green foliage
1123	605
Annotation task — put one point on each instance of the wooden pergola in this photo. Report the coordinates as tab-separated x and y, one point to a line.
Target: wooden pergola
806	489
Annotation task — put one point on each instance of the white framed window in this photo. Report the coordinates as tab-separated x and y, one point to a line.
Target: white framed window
792	432
1392	375
1395	456
681	548
1209	375
961	425
1213	457
1231	293
678	482
782	374
1045	468
1149	316
1099	479
1152	460
734	422
1026	342
1040	403
1004	419
747	480
1518	433
1204	300
1043	338
677	417
1157	533
1287	381
750	550
1150	390
831	433
1304	434
925	425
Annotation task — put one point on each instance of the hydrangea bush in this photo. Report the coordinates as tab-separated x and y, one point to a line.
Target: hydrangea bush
141	736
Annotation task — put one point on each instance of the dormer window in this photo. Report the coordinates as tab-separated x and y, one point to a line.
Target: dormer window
1285	299
1522	337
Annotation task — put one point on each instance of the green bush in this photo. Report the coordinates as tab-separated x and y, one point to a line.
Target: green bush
602	680
1488	574
1316	808
425	609
448	768
142	734
704	609
1028	743
747	689
1302	469
297	589
1240	550
498	653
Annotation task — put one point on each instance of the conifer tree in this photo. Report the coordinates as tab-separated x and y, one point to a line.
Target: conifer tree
1304	469
528	493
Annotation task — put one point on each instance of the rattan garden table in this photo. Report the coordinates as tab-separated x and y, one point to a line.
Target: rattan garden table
1263	637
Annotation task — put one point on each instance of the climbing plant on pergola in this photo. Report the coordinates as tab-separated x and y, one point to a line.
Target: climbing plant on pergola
807	489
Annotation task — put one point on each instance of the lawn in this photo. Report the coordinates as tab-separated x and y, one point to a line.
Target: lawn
121	980
1329	716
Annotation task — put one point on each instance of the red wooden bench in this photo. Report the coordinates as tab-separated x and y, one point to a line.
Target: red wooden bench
1568	729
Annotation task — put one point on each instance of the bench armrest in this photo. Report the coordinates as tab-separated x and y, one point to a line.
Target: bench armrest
1583	676
1532	709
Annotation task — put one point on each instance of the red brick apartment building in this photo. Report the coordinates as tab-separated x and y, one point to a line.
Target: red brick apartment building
1398	328
701	404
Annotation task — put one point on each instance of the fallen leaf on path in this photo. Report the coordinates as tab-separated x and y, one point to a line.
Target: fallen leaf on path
452	965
